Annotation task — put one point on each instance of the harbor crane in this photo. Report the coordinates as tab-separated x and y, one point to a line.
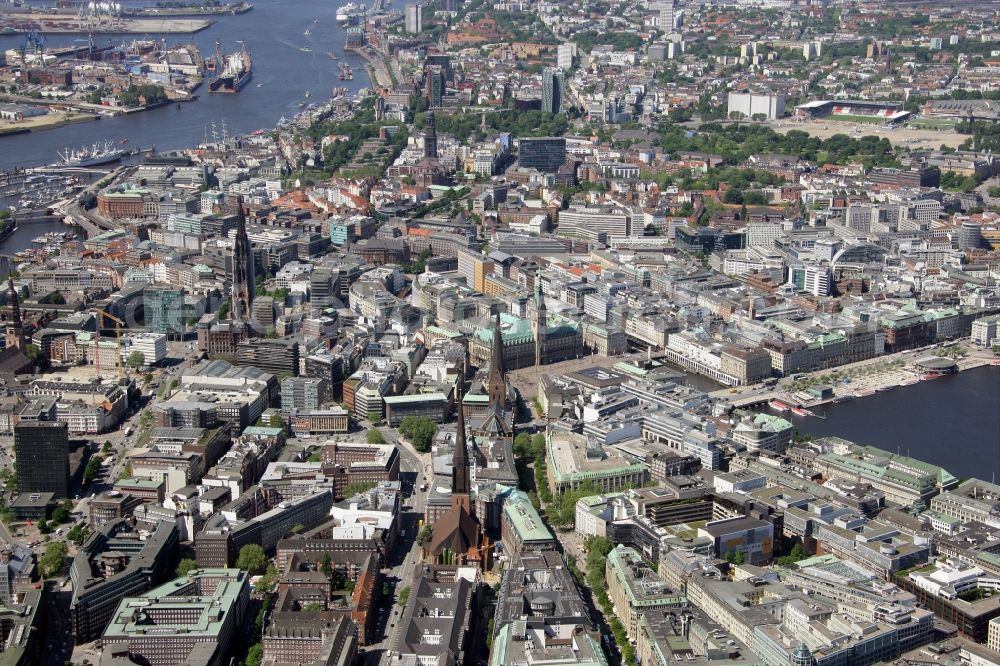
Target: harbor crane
36	41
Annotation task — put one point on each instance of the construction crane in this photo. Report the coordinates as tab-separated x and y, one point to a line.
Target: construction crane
101	314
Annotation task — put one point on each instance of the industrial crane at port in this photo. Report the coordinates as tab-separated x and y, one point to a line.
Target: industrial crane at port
36	41
101	314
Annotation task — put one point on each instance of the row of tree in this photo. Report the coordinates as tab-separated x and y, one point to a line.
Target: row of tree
736	142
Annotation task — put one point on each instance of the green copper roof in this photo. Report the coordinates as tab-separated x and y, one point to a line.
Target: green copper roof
525	519
515	330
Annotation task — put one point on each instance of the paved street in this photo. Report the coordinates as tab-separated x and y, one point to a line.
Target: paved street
58	647
572	547
399	573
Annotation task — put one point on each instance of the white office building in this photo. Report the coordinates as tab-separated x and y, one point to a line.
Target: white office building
817	280
763	234
750	104
986	331
667	18
564	57
152	345
414	19
615	221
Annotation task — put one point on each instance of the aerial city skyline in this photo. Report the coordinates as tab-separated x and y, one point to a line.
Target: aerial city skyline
470	333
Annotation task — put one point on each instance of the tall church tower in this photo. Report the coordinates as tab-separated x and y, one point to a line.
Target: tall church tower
15	328
243	270
430	136
461	486
497	379
494	423
457	537
539	325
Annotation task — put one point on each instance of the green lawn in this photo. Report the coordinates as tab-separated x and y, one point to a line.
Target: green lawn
933	123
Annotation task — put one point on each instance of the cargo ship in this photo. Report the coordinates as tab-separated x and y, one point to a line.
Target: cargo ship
99	153
231	71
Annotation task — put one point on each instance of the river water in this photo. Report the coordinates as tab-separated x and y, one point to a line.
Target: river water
282	73
953	421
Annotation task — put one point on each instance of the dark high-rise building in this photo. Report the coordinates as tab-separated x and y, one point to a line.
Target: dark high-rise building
42	457
546	154
440	60
323	288
15	328
329	368
430	136
434	85
553	83
278	356
243	277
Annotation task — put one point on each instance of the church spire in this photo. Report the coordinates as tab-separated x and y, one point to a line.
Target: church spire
460	460
15	327
497	379
540	325
430	136
243	269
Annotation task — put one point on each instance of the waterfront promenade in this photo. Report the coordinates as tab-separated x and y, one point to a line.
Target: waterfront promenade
868	376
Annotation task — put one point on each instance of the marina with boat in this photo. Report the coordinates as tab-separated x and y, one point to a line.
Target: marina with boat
45	246
25	191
